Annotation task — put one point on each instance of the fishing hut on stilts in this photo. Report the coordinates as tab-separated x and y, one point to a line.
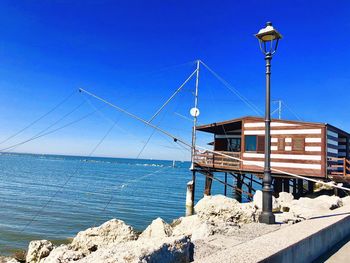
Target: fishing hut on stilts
311	150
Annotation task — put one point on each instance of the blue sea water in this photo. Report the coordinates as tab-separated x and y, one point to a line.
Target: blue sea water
54	197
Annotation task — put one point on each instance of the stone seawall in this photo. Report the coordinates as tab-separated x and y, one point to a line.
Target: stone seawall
222	230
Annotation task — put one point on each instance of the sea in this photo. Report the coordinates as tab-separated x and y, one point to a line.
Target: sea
54	197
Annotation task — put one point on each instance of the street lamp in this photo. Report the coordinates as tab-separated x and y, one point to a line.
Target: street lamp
268	39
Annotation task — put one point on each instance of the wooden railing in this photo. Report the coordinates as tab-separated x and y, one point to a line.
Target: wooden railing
338	166
214	160
347	167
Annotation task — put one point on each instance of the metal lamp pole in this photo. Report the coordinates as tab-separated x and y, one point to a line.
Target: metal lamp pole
268	40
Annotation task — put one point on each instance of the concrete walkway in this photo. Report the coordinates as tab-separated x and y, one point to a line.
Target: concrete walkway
302	242
340	253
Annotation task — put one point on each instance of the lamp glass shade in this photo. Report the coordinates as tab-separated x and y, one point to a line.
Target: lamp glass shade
268	34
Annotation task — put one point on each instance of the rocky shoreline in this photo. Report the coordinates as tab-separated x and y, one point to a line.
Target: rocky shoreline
219	223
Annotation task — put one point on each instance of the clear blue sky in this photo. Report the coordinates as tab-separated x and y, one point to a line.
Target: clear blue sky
136	53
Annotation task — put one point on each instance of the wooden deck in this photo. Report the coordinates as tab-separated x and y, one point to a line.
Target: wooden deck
339	169
217	161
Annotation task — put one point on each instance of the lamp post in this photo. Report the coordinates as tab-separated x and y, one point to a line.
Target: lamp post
268	40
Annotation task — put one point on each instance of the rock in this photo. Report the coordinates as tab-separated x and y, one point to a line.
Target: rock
166	250
219	208
8	260
287	218
333	202
191	226
111	232
204	230
38	250
307	207
257	201
250	212
157	229
284	200
63	254
320	187
346	201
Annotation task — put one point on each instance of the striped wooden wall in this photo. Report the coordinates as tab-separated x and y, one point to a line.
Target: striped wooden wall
337	146
332	143
295	147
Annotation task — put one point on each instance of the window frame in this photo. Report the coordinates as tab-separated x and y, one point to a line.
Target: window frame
258	138
293	144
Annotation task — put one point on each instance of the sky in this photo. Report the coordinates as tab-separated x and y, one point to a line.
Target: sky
137	53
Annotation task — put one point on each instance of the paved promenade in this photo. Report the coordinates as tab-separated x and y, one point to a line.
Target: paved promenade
338	254
301	242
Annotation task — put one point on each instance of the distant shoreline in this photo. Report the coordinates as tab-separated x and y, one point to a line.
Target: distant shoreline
86	156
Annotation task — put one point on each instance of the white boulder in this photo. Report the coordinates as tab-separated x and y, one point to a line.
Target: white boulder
307	207
63	254
166	250
287	218
191	226
8	260
157	229
346	201
111	232
219	208
37	250
258	201
284	200
333	201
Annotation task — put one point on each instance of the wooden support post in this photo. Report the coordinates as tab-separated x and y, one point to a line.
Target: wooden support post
234	184
277	186
286	185
300	187
310	186
225	186
250	187
189	198
295	187
208	183
193	188
238	194
336	192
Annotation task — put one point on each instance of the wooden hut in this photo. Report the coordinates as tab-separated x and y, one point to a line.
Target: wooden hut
317	150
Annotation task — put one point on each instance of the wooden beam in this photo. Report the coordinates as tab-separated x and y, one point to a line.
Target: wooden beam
225	185
286	185
208	183
193	188
310	186
237	193
300	187
277	186
295	187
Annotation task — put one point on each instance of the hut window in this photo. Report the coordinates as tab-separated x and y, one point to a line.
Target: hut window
250	143
281	144
298	144
234	145
254	143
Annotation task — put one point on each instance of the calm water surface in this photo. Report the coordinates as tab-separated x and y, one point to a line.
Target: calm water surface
54	197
